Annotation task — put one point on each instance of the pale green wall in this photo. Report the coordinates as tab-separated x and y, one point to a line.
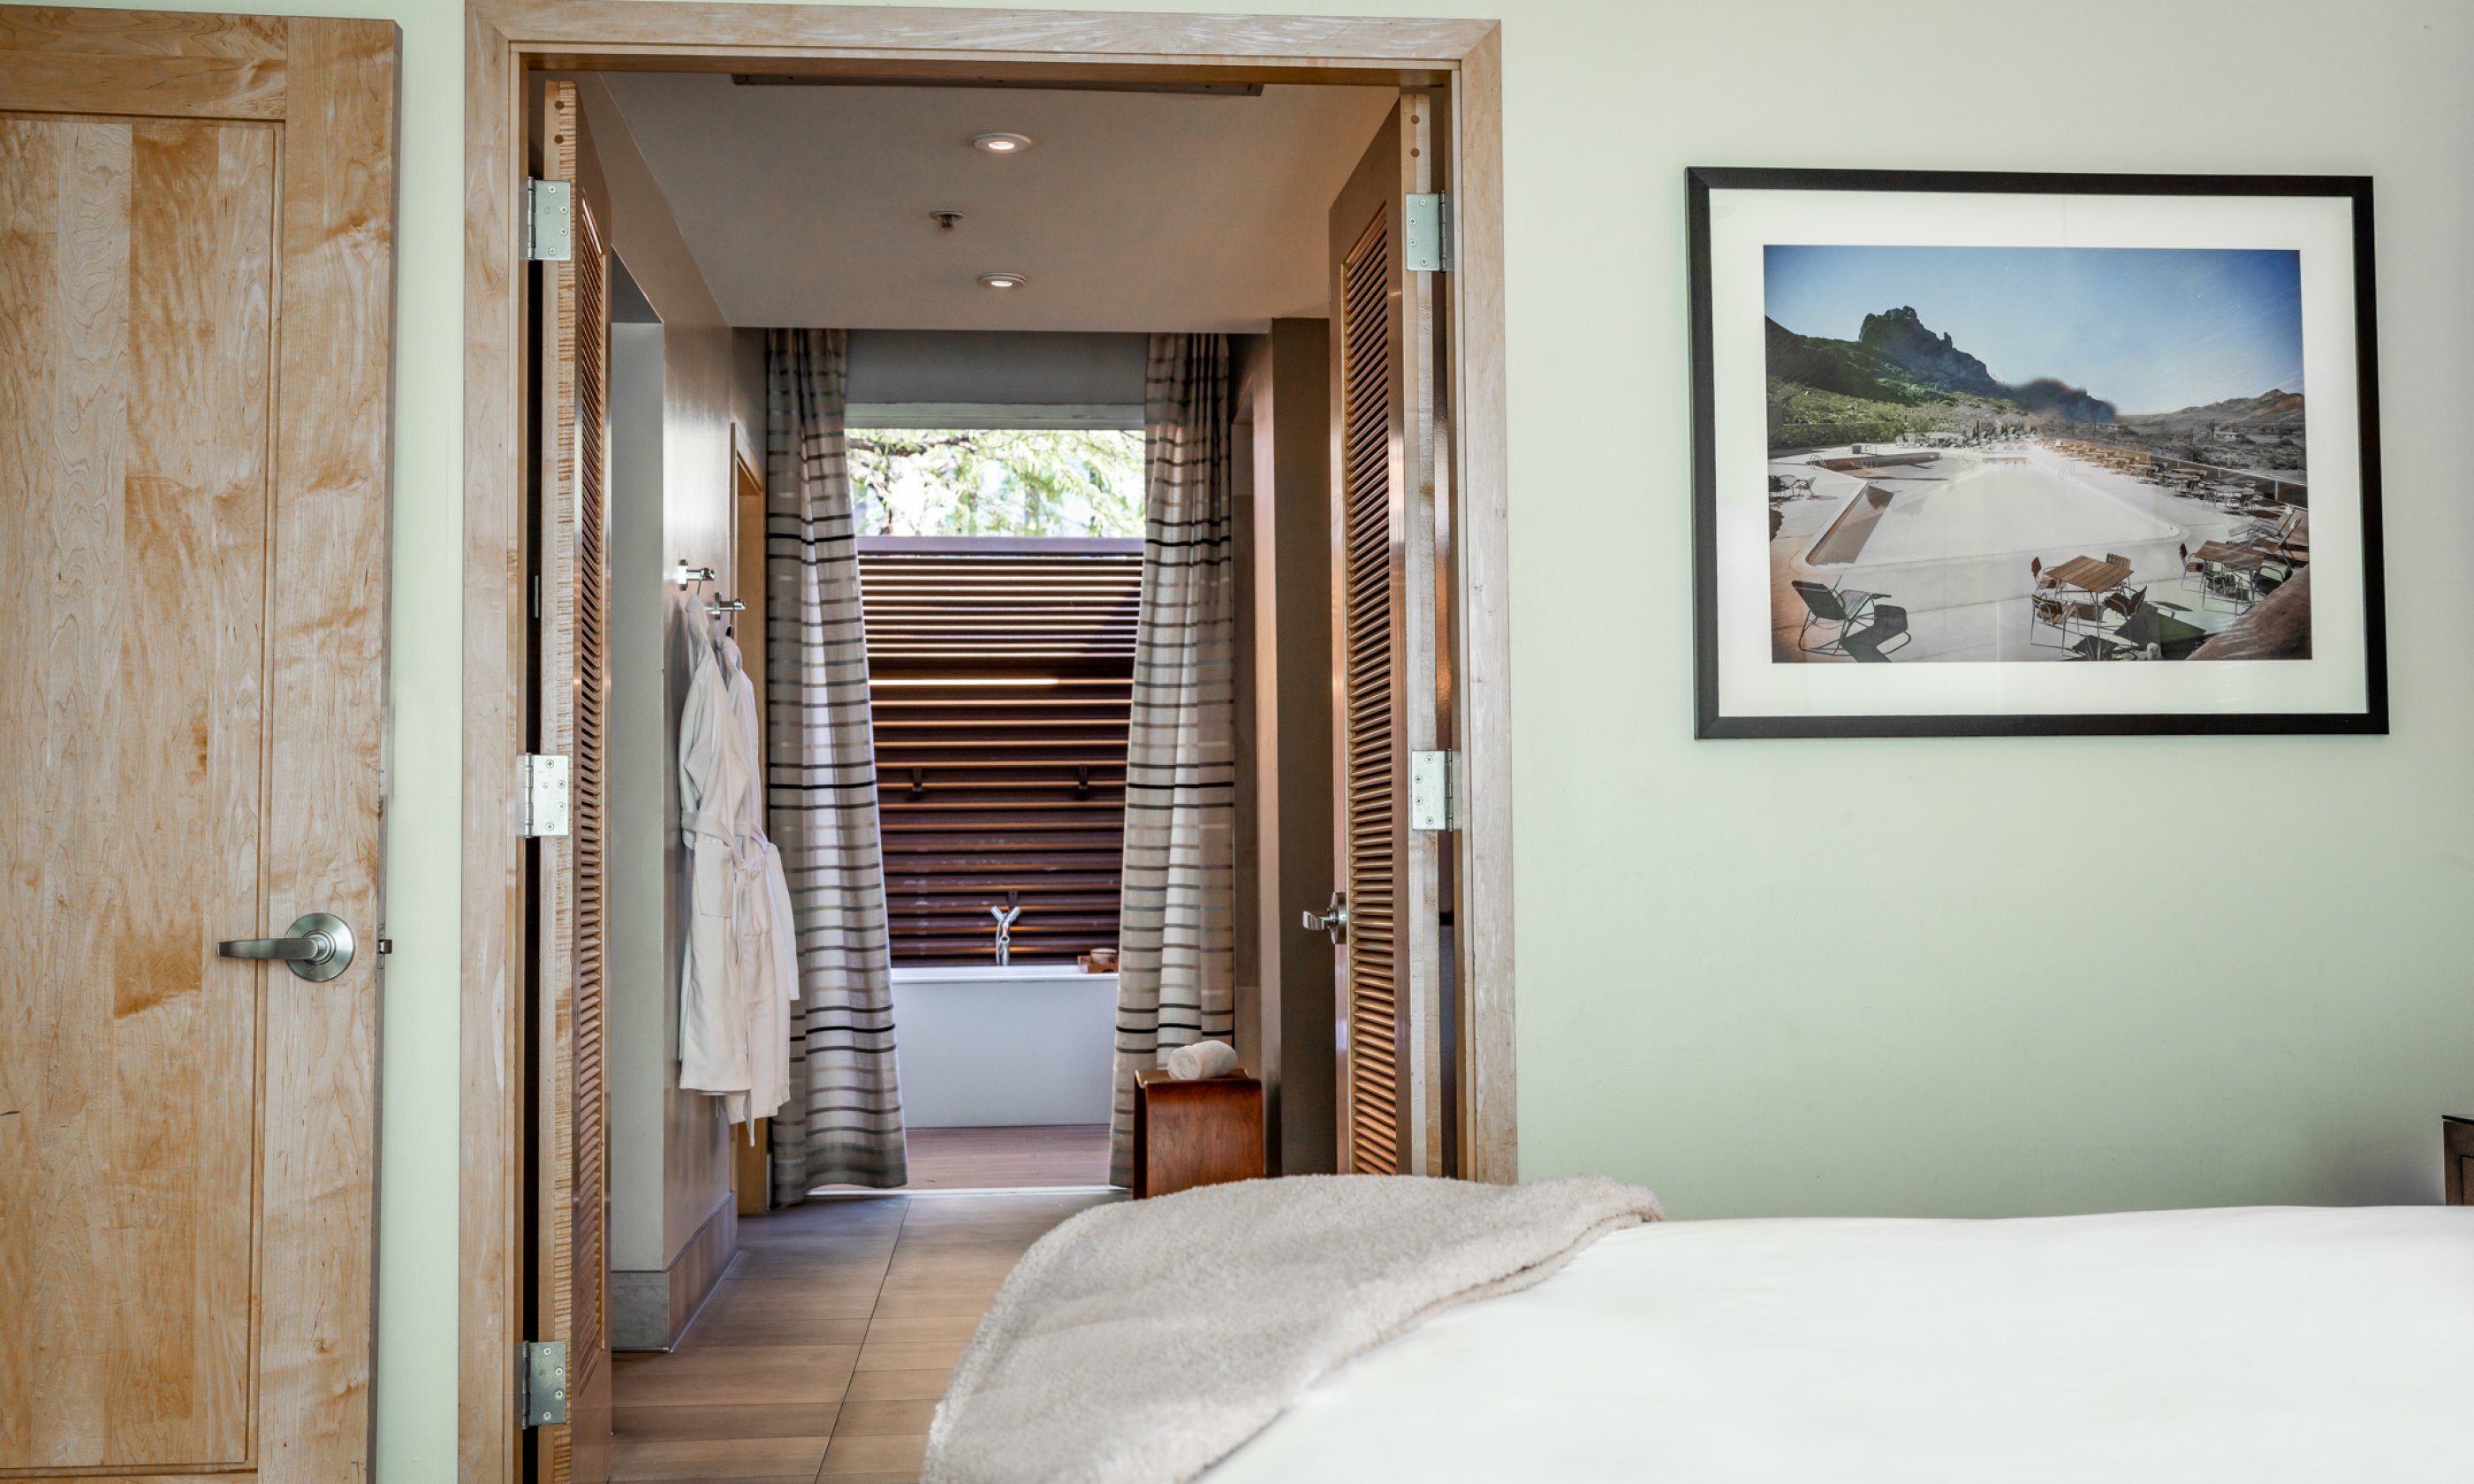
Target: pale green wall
1850	976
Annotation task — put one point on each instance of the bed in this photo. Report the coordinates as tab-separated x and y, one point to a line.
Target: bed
2255	1344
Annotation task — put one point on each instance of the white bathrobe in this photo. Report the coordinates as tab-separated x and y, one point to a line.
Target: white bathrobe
779	965
734	994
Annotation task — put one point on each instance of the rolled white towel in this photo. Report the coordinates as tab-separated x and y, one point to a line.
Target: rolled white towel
1200	1060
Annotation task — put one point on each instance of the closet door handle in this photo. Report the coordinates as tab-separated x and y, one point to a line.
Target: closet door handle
319	949
1332	919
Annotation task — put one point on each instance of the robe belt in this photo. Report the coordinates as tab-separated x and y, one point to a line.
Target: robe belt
751	896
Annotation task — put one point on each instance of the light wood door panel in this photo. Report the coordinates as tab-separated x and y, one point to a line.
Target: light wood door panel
1386	473
572	1183
195	390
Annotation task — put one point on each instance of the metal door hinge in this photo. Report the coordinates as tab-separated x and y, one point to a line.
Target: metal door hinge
1428	244
1434	791
541	794
541	1382
547	228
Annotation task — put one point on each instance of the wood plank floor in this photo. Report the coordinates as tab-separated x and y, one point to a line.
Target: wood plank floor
1009	1159
820	1355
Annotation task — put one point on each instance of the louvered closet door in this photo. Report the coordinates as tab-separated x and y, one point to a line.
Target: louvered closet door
571	1187
1393	1117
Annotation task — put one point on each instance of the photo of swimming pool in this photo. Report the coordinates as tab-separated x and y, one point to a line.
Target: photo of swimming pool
1963	506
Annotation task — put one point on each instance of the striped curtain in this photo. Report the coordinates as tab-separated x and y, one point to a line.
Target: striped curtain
1176	938
843	1122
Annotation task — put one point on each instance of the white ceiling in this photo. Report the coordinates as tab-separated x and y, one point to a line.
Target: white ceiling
809	206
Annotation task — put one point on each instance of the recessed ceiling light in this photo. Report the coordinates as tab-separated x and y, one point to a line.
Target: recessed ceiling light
1003	281
1002	144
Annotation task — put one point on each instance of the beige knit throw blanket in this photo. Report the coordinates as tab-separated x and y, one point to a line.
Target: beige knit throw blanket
1140	1343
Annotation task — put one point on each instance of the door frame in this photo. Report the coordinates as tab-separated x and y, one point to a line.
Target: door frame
509	40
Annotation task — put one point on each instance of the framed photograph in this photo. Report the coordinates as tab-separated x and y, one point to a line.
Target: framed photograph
2015	454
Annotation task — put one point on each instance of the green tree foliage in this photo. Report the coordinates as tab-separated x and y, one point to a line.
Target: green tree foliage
1803	416
997	482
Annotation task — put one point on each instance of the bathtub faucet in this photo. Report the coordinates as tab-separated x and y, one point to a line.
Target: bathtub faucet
1004	917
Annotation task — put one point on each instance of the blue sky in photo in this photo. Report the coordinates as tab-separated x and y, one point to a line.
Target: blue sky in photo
2149	330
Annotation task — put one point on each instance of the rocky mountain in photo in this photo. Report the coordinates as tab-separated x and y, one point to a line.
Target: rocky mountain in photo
1900	334
1898	377
2276	413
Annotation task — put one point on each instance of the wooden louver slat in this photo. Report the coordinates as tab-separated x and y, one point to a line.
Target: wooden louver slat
591	275
1371	686
1001	687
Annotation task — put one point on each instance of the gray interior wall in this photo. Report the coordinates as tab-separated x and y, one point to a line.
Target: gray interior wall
996	378
634	875
1869	977
995	366
669	1151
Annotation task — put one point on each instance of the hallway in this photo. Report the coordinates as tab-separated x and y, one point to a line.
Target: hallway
822	1355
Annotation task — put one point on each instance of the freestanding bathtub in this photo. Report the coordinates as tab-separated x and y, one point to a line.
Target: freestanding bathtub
979	1048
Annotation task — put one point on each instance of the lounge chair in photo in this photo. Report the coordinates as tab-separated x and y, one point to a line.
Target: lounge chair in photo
1875	642
2270	576
1844	608
2124	602
2191	569
2291	537
2269	534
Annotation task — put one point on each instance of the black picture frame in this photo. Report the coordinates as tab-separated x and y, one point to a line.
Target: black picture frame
1711	723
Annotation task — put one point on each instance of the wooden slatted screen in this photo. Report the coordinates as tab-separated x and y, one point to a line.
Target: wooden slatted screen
591	277
1372	759
1000	674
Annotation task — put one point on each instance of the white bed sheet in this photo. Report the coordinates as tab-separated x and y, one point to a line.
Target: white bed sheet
2255	1345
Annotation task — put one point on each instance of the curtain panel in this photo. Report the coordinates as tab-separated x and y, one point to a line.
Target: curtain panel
842	1124
1176	960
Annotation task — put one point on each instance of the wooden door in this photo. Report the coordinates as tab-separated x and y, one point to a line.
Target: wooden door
570	1185
1387	440
197	287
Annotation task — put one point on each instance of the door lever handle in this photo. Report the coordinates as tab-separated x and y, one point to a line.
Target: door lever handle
1332	919
319	949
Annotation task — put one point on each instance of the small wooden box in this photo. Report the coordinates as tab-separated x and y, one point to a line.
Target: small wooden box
1200	1133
